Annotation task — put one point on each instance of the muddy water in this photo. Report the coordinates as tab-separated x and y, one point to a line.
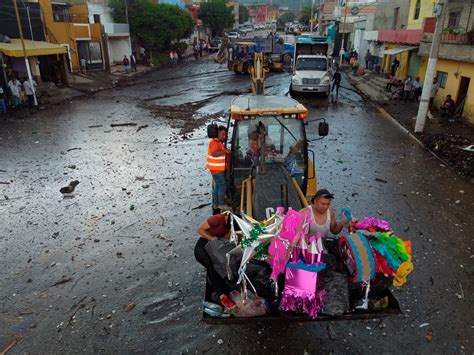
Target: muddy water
127	235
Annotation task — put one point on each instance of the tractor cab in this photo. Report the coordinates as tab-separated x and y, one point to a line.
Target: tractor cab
240	57
270	163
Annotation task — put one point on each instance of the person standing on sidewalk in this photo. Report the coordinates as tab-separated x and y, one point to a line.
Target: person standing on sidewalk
3	103
83	66
355	65
15	86
367	59
336	82
133	61
217	158
433	91
29	86
408	87
175	57
125	63
394	66
417	89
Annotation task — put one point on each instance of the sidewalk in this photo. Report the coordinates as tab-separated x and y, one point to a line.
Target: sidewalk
444	139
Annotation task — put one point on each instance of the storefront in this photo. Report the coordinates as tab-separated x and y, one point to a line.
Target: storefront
41	56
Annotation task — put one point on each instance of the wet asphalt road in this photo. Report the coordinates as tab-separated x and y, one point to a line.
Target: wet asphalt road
127	236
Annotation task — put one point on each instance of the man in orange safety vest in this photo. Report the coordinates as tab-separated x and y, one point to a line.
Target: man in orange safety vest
217	163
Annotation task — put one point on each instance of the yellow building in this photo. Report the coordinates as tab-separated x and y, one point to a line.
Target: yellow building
455	66
419	9
405	35
67	24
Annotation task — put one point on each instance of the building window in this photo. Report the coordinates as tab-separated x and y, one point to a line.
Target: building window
396	12
96	18
454	19
61	13
417	10
442	78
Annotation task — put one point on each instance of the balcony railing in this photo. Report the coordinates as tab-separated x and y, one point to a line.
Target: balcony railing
116	28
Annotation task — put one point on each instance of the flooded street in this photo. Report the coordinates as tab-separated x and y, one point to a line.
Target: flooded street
112	269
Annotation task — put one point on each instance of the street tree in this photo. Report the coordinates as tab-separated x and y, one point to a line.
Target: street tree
216	15
305	14
287	17
243	13
154	25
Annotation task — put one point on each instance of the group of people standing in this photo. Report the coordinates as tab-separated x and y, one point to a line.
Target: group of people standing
129	64
407	90
17	94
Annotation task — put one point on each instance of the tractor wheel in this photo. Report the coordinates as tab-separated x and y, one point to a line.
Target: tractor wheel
286	59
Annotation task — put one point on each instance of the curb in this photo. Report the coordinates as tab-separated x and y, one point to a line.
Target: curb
389	117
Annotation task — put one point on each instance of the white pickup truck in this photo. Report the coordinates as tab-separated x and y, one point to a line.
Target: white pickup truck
312	65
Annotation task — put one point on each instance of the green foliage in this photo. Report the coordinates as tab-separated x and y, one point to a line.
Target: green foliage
216	15
243	14
305	14
287	17
452	30
155	25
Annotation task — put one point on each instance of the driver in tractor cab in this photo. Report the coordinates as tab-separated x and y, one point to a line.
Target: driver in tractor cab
294	162
256	136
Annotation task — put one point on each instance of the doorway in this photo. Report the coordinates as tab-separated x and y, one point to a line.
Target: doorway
462	94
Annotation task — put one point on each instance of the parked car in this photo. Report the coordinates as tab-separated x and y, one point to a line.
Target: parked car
214	44
233	35
247	28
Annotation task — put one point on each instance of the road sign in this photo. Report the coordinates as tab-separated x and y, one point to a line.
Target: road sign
354	10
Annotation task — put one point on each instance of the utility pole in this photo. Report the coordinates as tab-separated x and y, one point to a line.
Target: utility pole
343	33
430	71
312	15
27	62
126	10
29	22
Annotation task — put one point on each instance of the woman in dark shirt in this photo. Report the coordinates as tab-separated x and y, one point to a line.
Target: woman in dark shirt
217	226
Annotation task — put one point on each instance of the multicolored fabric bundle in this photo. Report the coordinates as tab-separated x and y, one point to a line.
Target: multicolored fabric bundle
393	256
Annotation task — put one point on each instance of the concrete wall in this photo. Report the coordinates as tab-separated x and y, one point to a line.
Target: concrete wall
426	10
466	22
452	51
118	47
99	7
384	14
455	70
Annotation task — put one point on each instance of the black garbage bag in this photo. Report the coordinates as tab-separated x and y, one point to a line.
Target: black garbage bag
217	250
336	285
259	273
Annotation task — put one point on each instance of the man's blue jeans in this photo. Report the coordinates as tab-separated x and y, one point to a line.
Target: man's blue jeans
3	106
218	189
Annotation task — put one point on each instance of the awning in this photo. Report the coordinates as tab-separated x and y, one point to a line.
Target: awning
33	48
397	50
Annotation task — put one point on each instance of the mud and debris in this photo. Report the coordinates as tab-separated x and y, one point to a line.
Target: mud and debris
124	244
449	148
